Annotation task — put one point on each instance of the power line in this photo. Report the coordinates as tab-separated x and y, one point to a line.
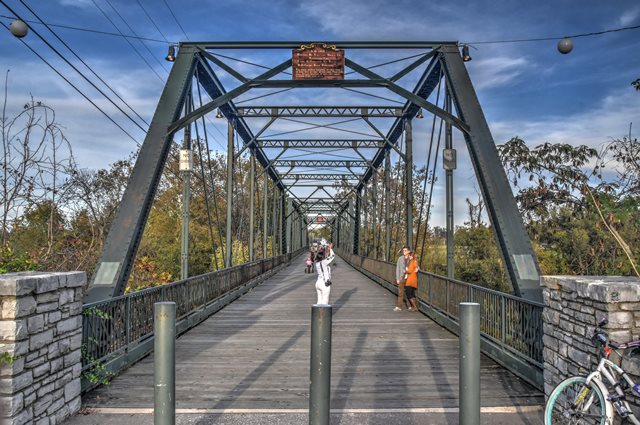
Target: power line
127	40
78	71
524	40
88	67
68	27
77	89
151	19
175	19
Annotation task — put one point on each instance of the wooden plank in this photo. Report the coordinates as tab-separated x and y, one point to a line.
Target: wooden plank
255	354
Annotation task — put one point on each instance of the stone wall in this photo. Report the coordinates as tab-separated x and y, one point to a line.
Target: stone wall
41	334
573	305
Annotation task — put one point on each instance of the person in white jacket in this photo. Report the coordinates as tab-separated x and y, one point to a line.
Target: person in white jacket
324	275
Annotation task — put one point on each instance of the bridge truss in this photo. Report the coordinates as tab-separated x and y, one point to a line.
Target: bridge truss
339	184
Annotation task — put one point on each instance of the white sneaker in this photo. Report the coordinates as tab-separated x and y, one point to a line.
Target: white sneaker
397	309
410	309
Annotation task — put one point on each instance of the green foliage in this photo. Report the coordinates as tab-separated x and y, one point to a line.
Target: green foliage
6	358
11	261
636	84
96	373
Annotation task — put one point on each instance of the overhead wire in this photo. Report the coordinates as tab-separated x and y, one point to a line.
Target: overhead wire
153	22
135	49
78	90
133	31
175	19
73	52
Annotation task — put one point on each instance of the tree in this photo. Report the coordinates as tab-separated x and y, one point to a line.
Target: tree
636	84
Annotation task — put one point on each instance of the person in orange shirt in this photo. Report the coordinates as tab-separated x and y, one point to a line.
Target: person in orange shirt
411	286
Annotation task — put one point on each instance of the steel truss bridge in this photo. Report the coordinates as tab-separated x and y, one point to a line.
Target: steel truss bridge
343	188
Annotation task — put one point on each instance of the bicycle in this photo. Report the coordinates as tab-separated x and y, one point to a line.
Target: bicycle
599	396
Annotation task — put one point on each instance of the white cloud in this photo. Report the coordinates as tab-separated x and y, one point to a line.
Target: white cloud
77	3
593	127
497	71
629	16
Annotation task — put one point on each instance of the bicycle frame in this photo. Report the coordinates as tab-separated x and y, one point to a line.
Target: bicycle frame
611	371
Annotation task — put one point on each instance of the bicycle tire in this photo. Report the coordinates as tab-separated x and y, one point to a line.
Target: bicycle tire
590	409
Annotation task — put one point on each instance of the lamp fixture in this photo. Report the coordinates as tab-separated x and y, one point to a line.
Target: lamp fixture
219	114
171	55
466	57
419	114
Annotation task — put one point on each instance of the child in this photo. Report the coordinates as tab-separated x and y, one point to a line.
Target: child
309	264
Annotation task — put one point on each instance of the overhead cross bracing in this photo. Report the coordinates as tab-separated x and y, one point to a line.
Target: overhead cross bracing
350	147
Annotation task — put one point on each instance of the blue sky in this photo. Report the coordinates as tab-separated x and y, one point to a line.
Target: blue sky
526	89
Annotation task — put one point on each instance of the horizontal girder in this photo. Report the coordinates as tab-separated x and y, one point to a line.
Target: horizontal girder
320	143
320	163
319	111
325	177
427	44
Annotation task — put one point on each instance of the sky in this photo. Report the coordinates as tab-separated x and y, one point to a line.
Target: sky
526	89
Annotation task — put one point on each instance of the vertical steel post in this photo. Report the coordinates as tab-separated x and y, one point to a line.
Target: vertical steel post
365	224
449	197
374	206
252	195
409	180
283	222
356	224
320	383
469	364
265	215
286	223
185	170
274	223
230	152
387	204
164	390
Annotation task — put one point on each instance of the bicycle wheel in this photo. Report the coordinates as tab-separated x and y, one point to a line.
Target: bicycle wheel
574	402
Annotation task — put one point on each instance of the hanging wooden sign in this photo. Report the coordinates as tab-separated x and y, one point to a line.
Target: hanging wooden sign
318	61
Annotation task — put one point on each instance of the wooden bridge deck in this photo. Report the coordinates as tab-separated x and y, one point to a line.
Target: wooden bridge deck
254	354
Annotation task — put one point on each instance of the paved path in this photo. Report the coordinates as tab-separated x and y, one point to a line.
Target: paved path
249	364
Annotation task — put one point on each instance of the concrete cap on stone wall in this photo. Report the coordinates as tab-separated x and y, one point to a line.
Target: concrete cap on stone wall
608	289
24	283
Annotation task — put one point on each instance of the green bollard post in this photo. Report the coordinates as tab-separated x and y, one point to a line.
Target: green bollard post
320	385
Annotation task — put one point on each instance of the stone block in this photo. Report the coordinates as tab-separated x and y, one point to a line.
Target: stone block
75	279
48	297
34	360
56	406
40	340
46	389
54	316
72	358
72	390
16	367
620	319
41	404
17	383
42	308
76	370
24	417
41	370
56	365
75	341
13	330
64	345
74	405
17	284
30	398
18	307
35	324
68	325
43	421
49	283
75	308
10	405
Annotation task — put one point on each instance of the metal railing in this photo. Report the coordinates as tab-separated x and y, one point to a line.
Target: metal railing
118	332
511	327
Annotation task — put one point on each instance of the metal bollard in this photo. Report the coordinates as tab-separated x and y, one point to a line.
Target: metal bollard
320	385
164	346
469	363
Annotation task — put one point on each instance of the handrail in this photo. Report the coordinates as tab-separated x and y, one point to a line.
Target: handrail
118	332
511	327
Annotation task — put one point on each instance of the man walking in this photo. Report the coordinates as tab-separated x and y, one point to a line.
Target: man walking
401	267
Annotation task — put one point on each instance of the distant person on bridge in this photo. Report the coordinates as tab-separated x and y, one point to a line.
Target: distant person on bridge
324	275
401	277
411	285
